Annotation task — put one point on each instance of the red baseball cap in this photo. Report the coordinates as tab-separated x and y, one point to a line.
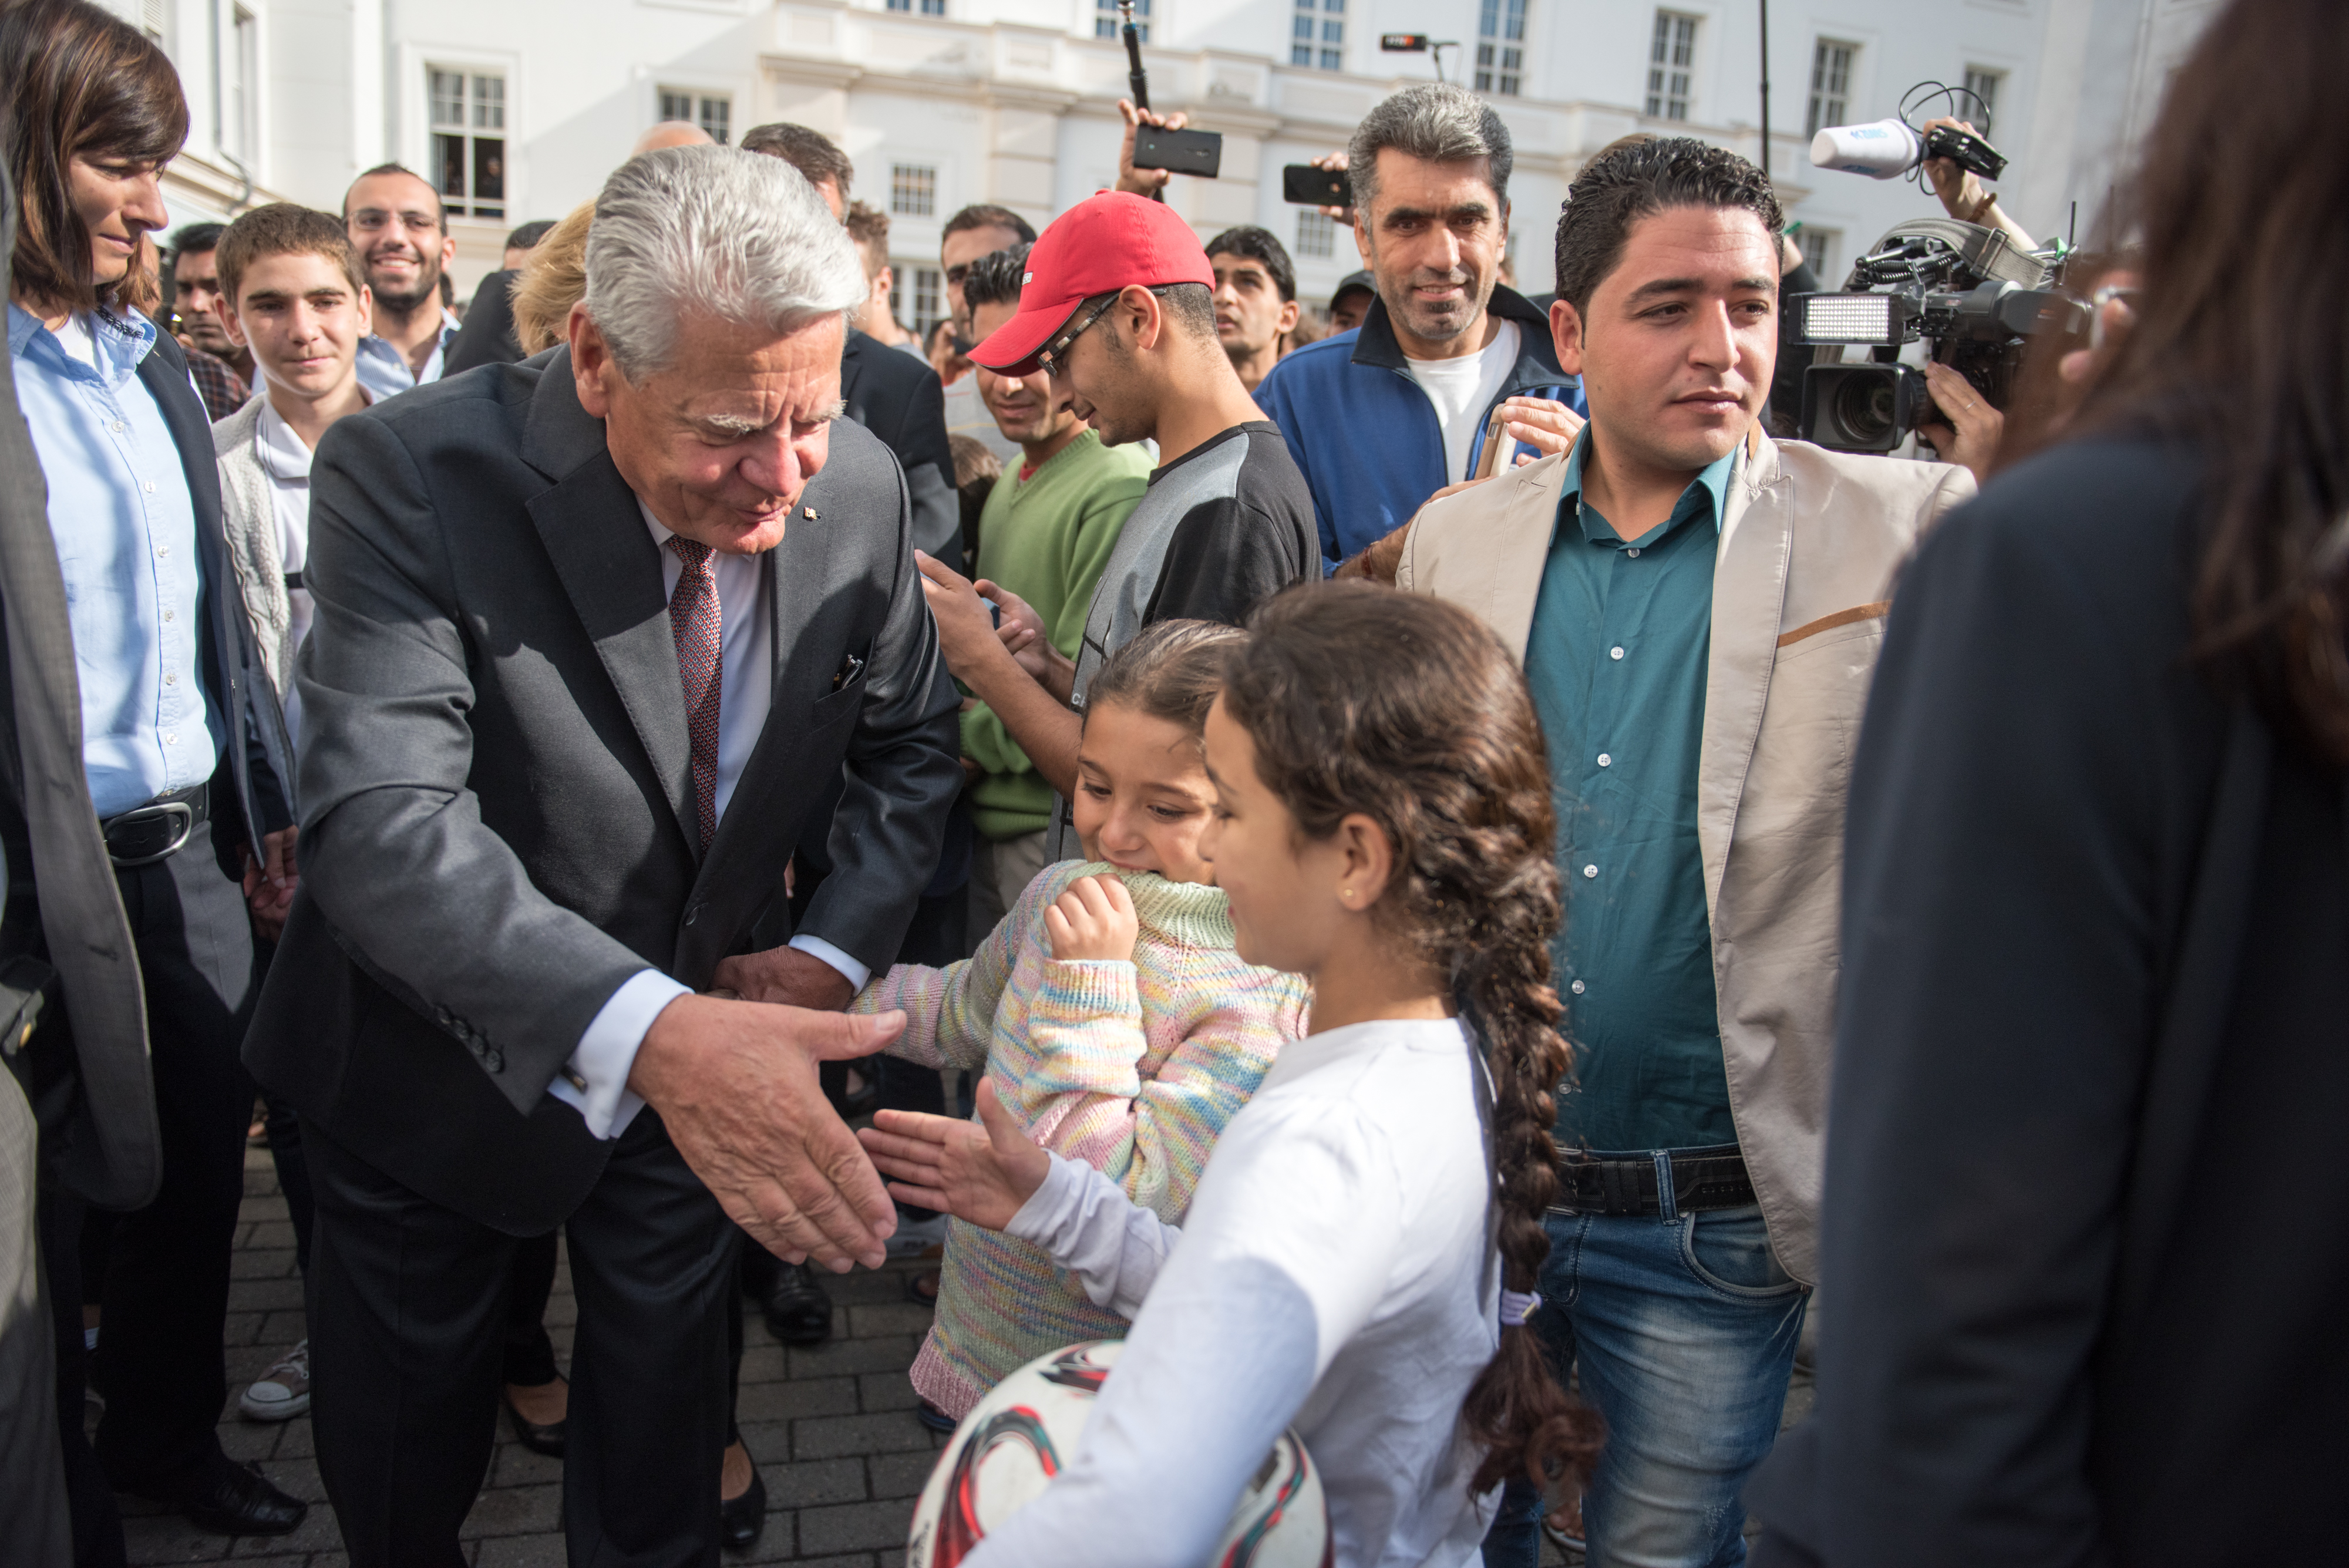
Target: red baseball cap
1105	242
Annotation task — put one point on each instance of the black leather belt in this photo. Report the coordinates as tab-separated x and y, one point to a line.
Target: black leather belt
1702	1179
156	831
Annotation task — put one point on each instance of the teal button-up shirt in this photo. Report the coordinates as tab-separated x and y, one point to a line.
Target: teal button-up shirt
1617	663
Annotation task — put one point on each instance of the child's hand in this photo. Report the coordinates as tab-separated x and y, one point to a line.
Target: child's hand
1092	919
937	1162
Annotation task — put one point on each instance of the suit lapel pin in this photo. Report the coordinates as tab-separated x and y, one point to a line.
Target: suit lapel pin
810	512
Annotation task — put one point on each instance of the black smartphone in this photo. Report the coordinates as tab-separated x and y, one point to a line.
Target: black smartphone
1310	187
1199	153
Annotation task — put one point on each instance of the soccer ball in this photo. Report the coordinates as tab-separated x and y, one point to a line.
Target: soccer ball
1028	1428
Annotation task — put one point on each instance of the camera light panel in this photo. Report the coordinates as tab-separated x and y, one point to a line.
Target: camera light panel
1852	318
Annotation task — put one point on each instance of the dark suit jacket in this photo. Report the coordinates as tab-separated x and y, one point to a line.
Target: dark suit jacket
899	399
496	780
2004	1377
487	337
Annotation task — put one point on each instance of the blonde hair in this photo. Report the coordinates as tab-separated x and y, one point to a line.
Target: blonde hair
554	278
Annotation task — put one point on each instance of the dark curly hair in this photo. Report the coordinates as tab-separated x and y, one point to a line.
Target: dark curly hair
1629	181
1409	711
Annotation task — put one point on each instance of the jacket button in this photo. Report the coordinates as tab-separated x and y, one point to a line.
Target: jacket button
692	914
494	1060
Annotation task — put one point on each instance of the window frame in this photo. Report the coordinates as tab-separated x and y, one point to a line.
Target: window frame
1107	23
1672	62
467	130
698	102
1317	35
1322	230
1824	90
1500	65
911	183
1997	77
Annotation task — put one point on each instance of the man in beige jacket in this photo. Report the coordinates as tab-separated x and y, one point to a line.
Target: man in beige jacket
1699	609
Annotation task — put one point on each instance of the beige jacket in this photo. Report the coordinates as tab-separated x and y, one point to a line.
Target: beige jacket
249	518
1810	542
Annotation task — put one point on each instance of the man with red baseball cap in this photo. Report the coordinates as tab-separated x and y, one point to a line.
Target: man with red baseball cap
1118	307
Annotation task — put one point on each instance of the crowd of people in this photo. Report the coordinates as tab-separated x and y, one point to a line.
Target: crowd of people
1347	848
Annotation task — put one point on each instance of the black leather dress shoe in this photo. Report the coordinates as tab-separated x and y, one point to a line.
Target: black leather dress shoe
739	1519
237	1500
538	1439
798	1308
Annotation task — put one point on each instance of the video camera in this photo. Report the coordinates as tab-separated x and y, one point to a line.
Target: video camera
1966	291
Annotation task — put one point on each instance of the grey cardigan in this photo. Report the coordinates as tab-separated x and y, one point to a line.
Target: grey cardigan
248	516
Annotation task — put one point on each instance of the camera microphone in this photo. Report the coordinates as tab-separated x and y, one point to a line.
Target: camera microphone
1887	149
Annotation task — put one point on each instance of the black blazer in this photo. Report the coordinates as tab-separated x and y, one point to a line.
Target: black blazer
499	819
2031	800
899	399
487	336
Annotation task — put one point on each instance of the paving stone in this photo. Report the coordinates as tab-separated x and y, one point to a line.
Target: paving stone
887	1353
515	1511
815	1483
264	1295
831	1436
168	1537
243	1440
297	1440
857	1525
318	1532
515	1465
241	1328
271	1263
900	1475
286	1326
764	1364
890	1318
789	1401
523	1551
268	1233
889	1390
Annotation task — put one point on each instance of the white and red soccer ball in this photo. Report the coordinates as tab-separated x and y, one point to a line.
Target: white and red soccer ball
1028	1428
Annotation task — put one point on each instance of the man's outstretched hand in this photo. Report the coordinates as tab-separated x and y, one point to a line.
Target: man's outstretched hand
735	1083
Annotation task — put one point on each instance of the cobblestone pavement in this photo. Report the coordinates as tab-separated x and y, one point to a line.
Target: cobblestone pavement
833	1428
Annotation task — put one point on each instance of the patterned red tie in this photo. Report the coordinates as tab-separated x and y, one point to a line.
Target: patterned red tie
695	622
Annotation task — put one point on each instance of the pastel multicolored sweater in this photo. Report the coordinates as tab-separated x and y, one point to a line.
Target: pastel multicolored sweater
1131	1068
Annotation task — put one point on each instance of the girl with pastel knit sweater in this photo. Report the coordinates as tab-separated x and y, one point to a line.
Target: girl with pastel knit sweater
1115	1022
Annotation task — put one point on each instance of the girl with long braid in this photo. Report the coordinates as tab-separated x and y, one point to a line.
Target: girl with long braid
1360	1256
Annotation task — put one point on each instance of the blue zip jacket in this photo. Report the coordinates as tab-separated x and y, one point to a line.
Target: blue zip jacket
1366	436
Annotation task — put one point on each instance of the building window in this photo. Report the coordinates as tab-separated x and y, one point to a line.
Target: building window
1317	234
926	7
928	308
155	21
1317	36
1501	47
1823	248
243	132
468	142
714	112
1672	61
1109	24
1830	84
1983	83
913	190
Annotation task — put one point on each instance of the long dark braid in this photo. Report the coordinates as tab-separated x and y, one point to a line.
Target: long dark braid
1409	711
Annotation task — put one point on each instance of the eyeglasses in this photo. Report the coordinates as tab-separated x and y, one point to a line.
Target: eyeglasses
1053	356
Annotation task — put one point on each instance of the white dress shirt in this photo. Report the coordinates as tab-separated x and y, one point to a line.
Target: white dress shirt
286	461
596	1079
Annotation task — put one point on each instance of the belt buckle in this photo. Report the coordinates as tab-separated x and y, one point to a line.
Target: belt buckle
169	810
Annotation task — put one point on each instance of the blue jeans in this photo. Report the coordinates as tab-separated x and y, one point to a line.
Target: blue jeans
1683	1328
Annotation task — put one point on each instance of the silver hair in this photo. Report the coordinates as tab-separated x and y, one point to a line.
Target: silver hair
1438	122
716	231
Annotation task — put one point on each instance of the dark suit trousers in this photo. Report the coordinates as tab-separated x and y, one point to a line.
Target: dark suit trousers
167	1266
409	1305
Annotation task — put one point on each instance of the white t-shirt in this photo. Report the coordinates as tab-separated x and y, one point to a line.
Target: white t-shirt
1335	1274
1461	389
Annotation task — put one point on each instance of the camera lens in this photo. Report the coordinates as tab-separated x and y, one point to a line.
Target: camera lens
1866	407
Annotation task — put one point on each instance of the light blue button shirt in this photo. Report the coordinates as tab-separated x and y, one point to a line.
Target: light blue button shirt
384	369
125	527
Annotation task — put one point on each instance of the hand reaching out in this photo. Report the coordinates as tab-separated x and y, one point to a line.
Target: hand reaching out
984	1177
1093	918
1144	181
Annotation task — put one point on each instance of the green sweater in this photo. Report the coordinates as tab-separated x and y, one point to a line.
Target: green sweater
1046	540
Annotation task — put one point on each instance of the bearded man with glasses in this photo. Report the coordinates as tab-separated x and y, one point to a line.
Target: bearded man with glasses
400	230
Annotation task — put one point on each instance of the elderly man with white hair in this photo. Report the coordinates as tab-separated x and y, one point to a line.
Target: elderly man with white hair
595	635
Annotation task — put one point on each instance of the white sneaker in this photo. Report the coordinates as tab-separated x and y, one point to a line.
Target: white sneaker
281	1393
914	1237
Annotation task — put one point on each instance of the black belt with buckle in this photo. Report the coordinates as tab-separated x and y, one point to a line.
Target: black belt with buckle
1702	1179
158	830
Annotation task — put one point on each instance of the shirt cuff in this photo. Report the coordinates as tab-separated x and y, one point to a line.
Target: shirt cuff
817	947
594	1082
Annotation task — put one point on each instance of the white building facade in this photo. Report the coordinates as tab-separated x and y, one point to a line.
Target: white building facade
518	108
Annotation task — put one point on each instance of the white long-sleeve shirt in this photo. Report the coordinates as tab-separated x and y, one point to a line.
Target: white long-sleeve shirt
1332	1274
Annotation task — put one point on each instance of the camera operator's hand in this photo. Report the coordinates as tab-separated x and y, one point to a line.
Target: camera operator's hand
1144	181
1963	195
1335	163
1971	436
